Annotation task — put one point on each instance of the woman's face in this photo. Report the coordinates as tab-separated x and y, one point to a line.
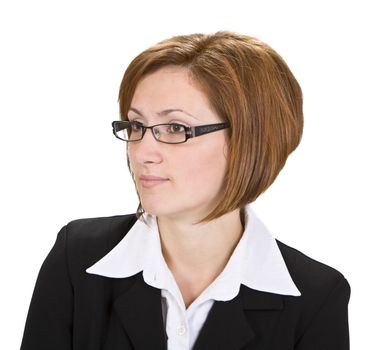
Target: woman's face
195	169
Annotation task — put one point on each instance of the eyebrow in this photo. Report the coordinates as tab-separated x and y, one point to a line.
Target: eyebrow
165	112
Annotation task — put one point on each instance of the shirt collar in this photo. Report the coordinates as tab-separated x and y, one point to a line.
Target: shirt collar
256	261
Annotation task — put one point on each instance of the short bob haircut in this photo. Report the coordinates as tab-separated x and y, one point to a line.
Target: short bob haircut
249	85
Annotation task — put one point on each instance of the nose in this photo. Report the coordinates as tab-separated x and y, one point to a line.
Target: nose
147	150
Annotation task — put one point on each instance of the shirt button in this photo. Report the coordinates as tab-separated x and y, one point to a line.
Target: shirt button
181	330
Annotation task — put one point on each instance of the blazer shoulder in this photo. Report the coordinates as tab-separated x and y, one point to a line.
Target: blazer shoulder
325	294
311	276
104	227
89	239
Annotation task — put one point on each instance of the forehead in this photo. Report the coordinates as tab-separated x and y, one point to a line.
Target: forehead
170	87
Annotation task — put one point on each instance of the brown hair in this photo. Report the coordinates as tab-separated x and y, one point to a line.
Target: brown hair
249	85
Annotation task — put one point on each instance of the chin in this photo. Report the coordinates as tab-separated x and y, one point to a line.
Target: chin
174	211
156	209
162	210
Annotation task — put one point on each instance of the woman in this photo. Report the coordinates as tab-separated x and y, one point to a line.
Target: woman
208	121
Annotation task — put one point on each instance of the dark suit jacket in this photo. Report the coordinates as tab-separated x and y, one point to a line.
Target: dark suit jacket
71	309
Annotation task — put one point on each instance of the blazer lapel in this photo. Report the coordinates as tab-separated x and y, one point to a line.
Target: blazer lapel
227	327
140	312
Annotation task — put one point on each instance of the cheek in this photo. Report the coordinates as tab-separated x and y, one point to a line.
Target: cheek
204	169
130	159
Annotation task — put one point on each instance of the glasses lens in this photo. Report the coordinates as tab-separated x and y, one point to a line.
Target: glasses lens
170	133
129	133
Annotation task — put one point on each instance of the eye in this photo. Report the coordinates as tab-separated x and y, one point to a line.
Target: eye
136	125
176	128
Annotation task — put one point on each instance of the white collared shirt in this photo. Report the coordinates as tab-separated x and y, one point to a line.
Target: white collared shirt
255	262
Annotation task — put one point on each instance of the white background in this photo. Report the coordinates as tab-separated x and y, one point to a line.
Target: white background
60	70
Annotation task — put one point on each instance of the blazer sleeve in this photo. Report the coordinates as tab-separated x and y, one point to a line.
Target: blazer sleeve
329	330
49	320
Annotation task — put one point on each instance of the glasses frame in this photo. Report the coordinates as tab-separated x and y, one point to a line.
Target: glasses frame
190	131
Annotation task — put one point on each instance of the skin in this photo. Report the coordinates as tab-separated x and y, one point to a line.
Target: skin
196	254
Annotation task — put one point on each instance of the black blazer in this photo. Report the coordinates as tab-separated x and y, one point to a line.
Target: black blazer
72	309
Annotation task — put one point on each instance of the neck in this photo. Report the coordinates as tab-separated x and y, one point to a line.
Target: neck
202	249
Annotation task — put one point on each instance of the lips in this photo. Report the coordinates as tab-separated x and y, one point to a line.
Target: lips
150	181
152	178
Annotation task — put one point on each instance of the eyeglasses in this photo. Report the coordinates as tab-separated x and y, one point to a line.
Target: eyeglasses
130	131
